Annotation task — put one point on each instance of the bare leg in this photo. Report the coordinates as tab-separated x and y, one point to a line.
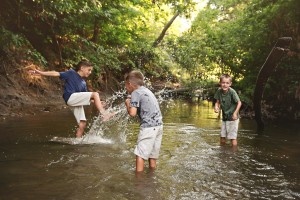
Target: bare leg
95	96
222	140
234	142
80	129
234	148
105	115
139	175
139	164
152	163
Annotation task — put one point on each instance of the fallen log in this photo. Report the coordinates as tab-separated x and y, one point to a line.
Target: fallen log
273	59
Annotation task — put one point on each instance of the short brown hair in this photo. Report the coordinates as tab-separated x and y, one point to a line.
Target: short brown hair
225	76
82	63
135	77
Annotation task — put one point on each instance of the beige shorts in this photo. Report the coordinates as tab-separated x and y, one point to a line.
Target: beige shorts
76	103
229	129
149	142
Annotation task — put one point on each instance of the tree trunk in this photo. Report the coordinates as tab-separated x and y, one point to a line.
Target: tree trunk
268	67
96	30
163	33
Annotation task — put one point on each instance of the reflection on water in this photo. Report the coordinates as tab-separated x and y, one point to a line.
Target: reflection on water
192	165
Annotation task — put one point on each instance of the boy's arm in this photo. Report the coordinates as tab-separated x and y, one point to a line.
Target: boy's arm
47	73
132	111
217	106
237	109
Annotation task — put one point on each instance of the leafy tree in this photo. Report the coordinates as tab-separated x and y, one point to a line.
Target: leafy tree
236	36
105	32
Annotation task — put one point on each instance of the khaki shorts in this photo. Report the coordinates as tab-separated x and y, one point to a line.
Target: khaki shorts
149	142
76	103
229	129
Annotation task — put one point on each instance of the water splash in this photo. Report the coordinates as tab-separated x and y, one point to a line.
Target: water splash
114	130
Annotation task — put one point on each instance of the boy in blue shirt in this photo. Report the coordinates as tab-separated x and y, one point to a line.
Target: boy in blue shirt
143	103
230	103
76	94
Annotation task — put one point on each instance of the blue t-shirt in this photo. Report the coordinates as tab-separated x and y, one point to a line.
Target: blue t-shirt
147	107
73	83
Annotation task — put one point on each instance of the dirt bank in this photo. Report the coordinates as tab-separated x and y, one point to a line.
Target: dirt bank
24	94
21	94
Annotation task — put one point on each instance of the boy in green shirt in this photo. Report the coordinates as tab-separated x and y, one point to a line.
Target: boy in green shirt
230	103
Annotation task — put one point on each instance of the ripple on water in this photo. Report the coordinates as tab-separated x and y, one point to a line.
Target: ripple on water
87	139
204	171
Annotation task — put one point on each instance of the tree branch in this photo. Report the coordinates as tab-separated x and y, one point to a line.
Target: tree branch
163	33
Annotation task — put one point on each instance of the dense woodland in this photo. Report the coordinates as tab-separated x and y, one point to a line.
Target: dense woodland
225	36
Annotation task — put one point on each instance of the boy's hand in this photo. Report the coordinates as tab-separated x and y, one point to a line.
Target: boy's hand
34	72
127	102
217	110
234	116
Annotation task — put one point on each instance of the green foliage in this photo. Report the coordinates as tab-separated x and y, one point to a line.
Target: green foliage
235	37
81	48
153	62
114	35
227	36
16	46
9	40
35	56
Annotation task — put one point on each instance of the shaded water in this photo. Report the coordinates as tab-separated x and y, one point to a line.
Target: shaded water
192	165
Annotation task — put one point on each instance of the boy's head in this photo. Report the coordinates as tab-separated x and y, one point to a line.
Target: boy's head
84	68
225	76
134	80
225	82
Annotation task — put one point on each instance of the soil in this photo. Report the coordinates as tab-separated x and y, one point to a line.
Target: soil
22	94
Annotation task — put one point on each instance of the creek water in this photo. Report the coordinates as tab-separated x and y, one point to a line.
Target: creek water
36	164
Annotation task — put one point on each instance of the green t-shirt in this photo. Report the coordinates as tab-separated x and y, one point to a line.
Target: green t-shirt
228	102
